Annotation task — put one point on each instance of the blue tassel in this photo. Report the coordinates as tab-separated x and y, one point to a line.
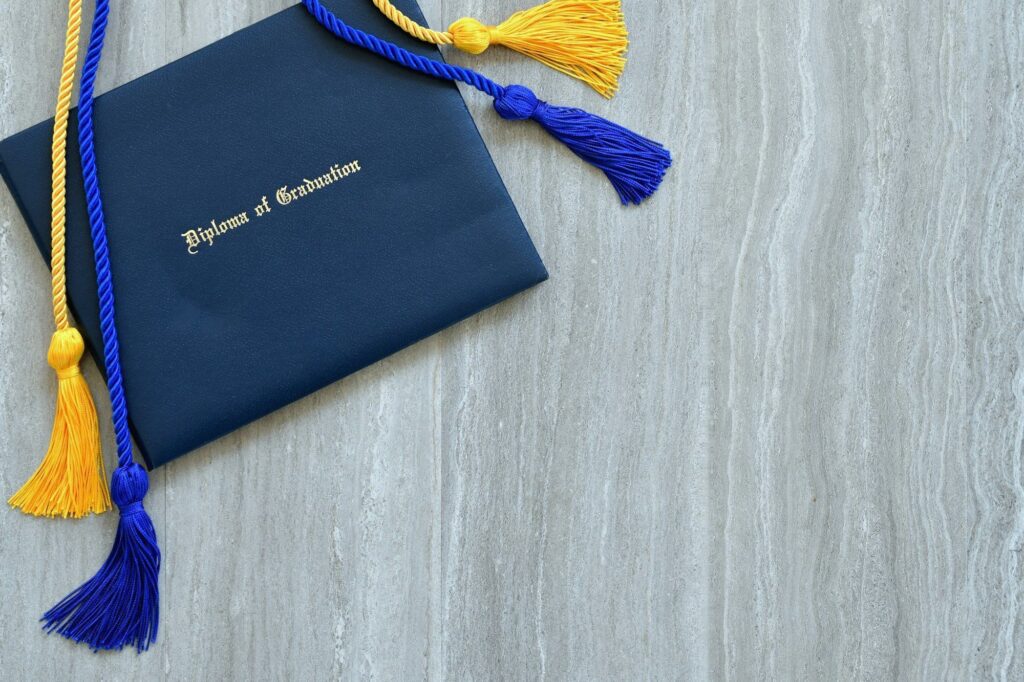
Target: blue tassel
634	164
119	606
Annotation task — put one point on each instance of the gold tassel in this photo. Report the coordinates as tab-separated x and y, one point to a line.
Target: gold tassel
585	39
71	480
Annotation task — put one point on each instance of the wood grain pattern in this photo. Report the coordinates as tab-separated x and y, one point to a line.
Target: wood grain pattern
767	426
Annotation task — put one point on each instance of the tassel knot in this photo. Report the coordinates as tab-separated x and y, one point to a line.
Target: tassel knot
517	103
128	486
66	349
469	35
68	372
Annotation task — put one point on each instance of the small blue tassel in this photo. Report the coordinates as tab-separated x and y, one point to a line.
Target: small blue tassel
119	606
634	164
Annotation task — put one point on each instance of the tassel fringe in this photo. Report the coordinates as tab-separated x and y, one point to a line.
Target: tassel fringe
585	39
633	164
71	479
120	605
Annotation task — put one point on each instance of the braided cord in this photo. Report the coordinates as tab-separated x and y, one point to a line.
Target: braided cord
98	228
417	31
399	55
58	155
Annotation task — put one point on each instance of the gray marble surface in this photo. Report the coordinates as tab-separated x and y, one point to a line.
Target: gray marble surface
767	426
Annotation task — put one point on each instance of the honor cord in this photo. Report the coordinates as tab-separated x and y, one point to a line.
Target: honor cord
119	606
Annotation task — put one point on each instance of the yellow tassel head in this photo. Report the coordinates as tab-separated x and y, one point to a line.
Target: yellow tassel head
71	480
66	348
469	35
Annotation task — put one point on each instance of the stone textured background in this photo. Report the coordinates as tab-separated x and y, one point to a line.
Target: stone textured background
766	426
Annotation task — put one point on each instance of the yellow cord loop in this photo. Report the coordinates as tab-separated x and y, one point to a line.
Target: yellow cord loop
71	480
585	39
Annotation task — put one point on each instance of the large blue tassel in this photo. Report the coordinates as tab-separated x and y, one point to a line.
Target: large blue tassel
634	164
120	605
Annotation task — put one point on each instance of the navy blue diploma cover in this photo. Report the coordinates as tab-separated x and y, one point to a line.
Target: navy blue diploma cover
283	210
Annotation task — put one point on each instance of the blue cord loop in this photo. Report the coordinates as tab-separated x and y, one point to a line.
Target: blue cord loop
517	103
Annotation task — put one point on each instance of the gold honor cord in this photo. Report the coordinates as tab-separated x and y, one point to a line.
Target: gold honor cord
585	39
71	480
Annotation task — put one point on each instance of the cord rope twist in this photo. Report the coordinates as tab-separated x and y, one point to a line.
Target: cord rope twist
417	31
101	251
58	155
